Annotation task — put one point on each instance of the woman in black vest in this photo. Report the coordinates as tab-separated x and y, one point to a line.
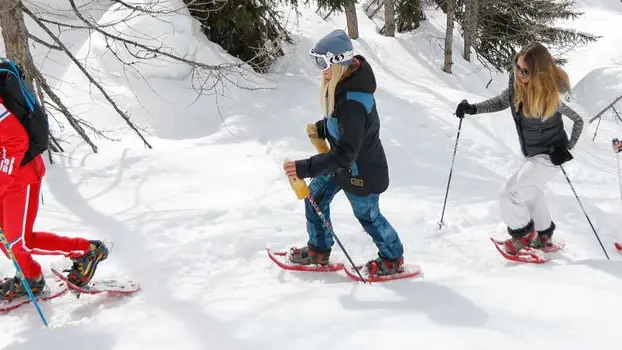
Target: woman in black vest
534	95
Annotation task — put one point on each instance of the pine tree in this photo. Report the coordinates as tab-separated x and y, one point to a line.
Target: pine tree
504	26
250	30
333	5
409	13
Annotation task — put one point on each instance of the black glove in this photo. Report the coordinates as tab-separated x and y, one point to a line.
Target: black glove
560	155
319	126
465	107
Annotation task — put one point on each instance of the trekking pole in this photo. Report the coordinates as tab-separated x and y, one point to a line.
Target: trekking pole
582	208
21	276
303	192
451	170
615	142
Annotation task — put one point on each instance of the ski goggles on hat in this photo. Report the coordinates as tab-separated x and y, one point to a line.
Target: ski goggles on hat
323	61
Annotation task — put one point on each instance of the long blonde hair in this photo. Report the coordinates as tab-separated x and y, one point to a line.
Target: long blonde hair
327	89
540	97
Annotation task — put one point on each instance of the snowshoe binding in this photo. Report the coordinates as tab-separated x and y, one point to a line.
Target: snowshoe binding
521	249
304	259
13	288
384	267
381	270
308	255
84	267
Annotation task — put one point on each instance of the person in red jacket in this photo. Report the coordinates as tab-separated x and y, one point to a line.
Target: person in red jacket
20	183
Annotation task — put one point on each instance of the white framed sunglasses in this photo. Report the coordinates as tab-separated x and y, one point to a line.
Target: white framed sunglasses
324	61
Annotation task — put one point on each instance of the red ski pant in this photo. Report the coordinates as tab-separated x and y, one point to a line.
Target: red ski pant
18	211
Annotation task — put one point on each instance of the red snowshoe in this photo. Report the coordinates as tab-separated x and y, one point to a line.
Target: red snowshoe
380	270
314	262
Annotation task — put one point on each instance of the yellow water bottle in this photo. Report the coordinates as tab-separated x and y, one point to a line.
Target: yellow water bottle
299	186
320	145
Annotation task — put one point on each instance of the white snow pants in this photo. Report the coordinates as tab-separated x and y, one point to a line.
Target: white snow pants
522	197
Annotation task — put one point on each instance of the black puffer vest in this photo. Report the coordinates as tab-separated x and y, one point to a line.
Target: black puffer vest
535	135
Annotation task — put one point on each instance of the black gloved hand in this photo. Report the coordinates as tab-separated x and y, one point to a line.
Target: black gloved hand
319	127
465	107
560	155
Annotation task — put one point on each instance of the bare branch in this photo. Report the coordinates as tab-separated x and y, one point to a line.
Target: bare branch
135	49
200	7
40	41
599	114
87	74
149	8
48	90
60	24
147	48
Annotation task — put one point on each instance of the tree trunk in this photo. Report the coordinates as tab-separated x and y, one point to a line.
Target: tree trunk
15	37
442	4
473	22
449	35
470	27
389	18
418	5
353	27
467	28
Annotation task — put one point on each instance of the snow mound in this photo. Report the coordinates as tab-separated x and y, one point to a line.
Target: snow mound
159	93
599	88
166	26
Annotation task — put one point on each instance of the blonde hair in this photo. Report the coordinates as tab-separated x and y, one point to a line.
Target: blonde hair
327	89
540	97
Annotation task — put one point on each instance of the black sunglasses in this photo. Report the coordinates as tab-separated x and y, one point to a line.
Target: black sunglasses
524	72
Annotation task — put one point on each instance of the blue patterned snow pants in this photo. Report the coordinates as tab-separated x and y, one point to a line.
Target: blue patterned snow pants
366	210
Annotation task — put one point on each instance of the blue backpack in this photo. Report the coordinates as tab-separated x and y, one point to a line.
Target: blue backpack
20	101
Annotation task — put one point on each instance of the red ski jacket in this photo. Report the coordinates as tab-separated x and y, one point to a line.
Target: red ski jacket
14	142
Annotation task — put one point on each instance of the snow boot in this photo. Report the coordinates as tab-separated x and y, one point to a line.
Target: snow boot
384	267
308	255
545	237
12	288
521	238
83	268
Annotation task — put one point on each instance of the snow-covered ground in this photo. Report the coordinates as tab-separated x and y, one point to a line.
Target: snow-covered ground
191	218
